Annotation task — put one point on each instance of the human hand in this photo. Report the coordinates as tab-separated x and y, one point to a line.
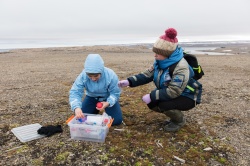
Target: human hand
146	98
123	83
78	113
102	105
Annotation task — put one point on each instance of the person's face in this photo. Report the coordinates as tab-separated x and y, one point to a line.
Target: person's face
159	57
94	77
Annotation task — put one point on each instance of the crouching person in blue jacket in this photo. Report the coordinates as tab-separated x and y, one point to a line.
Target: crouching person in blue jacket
98	84
175	91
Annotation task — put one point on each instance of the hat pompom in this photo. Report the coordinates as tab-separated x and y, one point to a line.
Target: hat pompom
171	33
167	43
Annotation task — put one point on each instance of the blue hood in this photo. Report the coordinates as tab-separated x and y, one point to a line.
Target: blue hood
94	64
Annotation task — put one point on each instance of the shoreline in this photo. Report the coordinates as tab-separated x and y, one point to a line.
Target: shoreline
53	44
207	48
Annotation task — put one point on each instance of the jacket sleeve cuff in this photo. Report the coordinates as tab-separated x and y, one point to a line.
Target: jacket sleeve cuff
130	82
111	100
153	95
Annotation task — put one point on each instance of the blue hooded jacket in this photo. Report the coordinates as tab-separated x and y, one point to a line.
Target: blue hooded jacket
106	87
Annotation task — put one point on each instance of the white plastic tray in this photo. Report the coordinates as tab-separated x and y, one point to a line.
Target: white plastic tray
28	132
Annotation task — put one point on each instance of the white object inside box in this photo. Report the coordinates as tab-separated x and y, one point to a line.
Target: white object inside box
92	119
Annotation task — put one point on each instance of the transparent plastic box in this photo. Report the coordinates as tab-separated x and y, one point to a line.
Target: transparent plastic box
93	129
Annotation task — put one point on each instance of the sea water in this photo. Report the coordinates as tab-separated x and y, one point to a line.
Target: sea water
62	42
193	47
204	51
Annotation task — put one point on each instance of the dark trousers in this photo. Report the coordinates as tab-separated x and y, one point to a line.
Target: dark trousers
180	103
89	107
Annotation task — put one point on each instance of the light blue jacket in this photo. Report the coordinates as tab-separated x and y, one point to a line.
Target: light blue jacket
106	87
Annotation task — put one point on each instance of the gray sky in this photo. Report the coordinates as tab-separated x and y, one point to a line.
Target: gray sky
82	18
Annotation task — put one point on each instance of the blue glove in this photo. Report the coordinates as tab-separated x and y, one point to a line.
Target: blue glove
146	98
123	83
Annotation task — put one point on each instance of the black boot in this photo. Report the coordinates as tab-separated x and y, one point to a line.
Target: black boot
177	120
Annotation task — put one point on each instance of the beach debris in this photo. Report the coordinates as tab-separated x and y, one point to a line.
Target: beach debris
158	143
119	129
18	147
224	138
201	143
123	123
179	159
207	149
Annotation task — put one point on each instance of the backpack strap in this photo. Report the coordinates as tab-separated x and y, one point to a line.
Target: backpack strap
171	68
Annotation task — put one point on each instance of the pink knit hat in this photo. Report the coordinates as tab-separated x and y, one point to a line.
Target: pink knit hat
167	43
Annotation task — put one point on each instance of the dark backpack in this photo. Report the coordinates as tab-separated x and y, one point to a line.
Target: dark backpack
193	62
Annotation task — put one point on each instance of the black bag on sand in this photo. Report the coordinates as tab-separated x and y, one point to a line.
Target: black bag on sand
50	130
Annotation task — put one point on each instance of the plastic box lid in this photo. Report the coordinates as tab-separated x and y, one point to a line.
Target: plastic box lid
27	133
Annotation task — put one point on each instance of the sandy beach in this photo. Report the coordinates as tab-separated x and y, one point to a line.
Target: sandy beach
34	86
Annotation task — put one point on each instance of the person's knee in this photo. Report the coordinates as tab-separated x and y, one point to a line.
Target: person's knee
117	121
116	113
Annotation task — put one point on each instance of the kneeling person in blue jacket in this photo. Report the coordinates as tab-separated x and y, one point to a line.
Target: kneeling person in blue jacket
99	84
